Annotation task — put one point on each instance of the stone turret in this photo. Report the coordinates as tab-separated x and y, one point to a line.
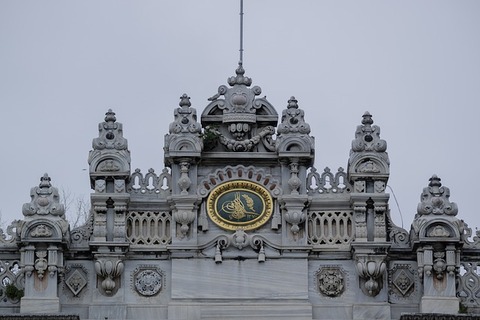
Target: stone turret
295	148
44	236
368	171
183	147
436	235
109	174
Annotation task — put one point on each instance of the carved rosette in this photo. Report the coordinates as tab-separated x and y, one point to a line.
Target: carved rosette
109	270
371	270
331	281
148	281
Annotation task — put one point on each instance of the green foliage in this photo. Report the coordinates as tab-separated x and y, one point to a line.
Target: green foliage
13	293
462	308
210	137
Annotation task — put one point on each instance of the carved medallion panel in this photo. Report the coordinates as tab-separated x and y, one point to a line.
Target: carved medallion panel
331	281
148	281
403	282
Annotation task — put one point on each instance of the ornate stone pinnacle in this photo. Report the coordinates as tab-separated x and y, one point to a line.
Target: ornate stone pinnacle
239	78
110	116
45	181
435	181
292	103
367	118
184	101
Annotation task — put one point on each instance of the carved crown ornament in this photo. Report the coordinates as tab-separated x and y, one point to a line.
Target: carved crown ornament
239	121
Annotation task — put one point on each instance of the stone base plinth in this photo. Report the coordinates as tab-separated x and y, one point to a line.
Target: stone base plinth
40	305
246	310
111	311
368	311
442	305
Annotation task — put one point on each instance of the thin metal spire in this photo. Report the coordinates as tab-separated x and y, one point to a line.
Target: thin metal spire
241	33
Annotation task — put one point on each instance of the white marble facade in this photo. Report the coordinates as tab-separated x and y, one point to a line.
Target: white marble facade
239	225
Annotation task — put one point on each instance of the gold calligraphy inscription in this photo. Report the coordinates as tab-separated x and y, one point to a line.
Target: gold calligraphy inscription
239	204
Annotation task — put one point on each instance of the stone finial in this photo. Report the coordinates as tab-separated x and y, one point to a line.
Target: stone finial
368	156
293	121
367	136
110	155
185	121
435	199
45	200
239	78
110	134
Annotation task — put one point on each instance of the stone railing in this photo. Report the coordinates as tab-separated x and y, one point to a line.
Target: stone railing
330	228
11	281
327	182
468	281
151	184
149	228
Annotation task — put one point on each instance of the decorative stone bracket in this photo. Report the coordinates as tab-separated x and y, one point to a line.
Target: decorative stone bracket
293	210
184	213
240	240
109	269
371	270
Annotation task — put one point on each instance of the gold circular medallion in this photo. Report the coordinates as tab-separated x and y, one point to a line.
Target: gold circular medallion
239	204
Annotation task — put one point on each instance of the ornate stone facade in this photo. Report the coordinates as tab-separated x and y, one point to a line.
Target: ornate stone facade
239	224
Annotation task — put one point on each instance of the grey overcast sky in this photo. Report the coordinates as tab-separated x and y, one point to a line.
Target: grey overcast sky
414	65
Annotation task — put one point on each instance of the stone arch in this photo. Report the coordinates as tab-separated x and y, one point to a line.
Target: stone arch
184	144
294	144
438	229
370	165
109	163
42	230
230	173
